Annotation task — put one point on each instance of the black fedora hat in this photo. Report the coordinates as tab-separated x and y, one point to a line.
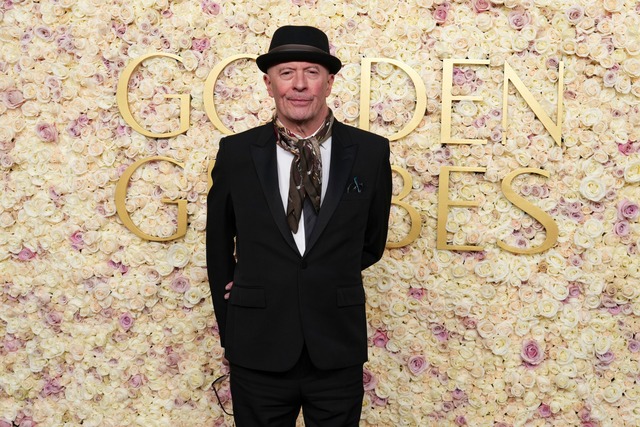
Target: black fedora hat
299	43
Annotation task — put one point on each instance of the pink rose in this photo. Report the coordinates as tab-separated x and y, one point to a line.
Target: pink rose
380	339
11	345
469	323
416	293
53	318
369	381
118	266
622	228
585	414
136	381
180	284
440	14
123	130
480	122
574	290
47	132
459	77
4	423
574	14
440	332
634	346
76	240
544	410
605	359
51	387
518	19
627	210
417	364
126	321
44	33
118	28
75	127
23	420
12	98
200	45
26	254
210	7
610	77
496	134
627	148
379	401
531	353
460	420
459	395
480	6
575	260
65	42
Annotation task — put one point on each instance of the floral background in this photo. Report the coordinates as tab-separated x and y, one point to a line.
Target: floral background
99	327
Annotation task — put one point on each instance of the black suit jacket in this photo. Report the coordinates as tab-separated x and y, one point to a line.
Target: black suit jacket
281	298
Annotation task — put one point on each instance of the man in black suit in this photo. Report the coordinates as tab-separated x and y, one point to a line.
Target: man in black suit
298	208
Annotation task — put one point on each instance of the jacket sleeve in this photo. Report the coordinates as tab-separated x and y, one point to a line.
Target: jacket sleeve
220	236
378	222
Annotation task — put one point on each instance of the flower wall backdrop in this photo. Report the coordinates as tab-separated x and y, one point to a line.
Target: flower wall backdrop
99	327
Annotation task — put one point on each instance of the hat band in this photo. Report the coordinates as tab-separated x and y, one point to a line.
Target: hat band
297	48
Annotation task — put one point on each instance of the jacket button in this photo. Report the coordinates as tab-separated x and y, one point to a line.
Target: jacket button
303	265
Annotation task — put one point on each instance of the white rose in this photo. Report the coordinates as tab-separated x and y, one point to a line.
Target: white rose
500	345
613	5
583	240
632	67
192	296
564	356
593	228
592	188
632	172
612	393
483	269
548	307
178	255
590	116
466	108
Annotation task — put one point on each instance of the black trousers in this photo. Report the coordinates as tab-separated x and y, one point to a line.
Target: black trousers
328	398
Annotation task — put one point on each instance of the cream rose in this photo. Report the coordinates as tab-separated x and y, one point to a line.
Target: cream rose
592	188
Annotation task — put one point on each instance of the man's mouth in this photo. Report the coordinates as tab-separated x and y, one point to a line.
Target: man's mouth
298	101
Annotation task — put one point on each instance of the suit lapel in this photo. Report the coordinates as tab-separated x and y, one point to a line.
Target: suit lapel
264	158
343	154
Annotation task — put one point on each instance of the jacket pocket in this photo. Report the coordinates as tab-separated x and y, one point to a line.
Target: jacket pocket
248	297
348	197
352	295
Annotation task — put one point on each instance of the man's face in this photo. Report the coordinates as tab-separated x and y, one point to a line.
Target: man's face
300	91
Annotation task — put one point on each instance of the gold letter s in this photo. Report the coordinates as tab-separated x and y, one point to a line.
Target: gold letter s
542	217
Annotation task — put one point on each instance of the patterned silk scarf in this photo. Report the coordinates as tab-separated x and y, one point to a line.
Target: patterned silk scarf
306	167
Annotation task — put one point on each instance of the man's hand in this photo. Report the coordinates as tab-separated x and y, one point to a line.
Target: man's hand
228	288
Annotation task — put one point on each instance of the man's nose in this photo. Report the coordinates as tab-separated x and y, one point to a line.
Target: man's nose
300	81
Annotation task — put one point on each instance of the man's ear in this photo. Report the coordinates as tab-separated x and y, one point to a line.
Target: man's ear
267	83
330	83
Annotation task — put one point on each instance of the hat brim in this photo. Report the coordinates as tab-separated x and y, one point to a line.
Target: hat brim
267	60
